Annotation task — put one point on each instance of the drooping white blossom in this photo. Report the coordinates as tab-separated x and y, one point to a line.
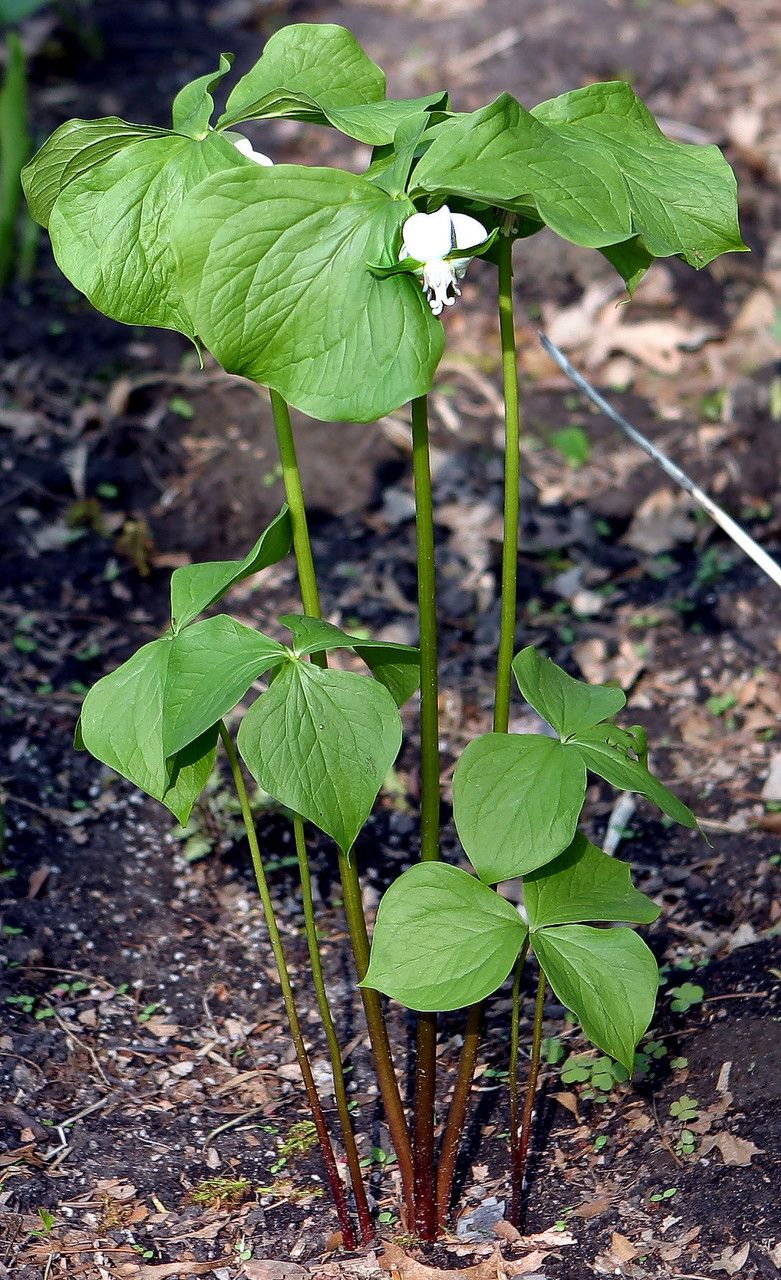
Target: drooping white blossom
429	238
244	145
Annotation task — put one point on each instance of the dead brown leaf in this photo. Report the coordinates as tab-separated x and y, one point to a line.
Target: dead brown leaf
622	1249
269	1269
403	1267
162	1270
662	520
734	1150
732	1260
592	1208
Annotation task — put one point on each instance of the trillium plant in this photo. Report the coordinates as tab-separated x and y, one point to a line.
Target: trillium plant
330	289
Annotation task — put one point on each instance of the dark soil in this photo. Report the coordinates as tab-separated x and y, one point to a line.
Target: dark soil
165	1067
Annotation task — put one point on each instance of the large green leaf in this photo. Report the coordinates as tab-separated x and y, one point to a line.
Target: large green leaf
607	977
190	770
321	60
110	226
503	156
211	666
683	197
193	105
321	742
516	802
286	299
397	666
595	166
171	692
121	720
442	939
72	150
583	883
567	704
196	586
317	72
603	750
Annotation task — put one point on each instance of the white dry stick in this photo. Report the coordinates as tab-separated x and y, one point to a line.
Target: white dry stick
733	530
620	817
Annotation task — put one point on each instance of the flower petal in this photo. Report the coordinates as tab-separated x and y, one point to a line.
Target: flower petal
244	145
468	231
428	236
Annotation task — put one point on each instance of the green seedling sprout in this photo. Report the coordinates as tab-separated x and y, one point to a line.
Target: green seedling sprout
335	303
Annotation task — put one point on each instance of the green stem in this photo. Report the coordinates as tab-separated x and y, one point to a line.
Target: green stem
291	477
520	1141
351	889
427	610
288	997
340	1089
512	491
426	1058
512	487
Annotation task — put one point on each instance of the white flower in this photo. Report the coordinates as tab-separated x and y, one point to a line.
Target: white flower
244	145
429	238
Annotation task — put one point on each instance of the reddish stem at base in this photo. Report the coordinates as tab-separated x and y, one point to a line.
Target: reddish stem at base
275	938
456	1116
519	1142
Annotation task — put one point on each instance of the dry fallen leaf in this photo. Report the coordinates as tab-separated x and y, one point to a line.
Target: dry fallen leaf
269	1269
162	1270
592	1208
662	520
403	1267
732	1260
734	1150
622	1249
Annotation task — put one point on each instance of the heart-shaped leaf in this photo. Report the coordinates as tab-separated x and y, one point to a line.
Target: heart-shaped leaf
442	939
584	883
321	742
397	666
196	586
170	693
259	288
110	226
607	977
516	802
567	704
320	60
603	749
211	666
